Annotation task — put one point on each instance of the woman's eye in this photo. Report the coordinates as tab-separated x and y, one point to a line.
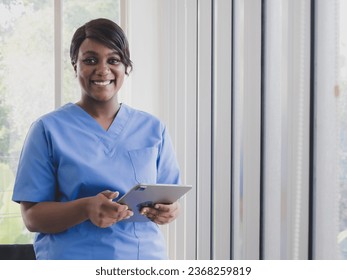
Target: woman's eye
114	61
90	61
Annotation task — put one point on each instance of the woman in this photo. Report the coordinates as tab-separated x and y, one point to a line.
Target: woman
77	159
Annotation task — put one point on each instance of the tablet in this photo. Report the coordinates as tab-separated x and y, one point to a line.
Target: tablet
143	195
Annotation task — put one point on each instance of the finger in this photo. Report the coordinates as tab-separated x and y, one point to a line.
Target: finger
166	217
129	214
122	216
110	195
145	211
165	207
150	213
120	208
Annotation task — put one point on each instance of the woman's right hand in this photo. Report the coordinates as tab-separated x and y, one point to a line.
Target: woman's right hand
55	217
104	212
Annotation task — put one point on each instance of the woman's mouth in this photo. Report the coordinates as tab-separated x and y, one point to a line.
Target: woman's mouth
102	83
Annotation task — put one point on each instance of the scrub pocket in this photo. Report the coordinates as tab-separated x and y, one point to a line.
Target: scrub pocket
144	162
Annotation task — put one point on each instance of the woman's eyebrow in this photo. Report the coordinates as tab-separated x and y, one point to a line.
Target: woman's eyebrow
95	53
90	53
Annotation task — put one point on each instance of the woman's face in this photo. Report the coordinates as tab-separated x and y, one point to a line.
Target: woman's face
99	70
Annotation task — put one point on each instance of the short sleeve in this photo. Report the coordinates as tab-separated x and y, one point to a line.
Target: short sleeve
35	179
167	167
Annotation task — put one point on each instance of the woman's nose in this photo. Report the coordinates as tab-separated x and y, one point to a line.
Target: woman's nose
103	70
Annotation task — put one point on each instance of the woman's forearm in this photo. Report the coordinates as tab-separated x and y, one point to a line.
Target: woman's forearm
54	217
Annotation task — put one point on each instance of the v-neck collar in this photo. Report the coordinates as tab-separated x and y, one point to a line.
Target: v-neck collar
114	129
109	138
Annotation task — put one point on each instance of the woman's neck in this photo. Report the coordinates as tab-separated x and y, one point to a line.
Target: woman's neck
98	109
103	112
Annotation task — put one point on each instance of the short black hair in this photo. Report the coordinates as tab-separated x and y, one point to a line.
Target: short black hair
107	33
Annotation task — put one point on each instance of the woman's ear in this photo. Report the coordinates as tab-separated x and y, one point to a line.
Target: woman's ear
74	65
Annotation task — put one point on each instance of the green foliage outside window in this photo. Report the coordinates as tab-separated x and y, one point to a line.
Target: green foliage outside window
27	83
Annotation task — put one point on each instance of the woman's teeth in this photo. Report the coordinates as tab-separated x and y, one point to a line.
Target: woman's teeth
102	83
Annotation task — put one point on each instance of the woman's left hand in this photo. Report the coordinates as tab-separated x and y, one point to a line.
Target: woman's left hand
162	214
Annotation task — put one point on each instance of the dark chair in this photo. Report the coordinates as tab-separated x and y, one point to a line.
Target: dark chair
17	252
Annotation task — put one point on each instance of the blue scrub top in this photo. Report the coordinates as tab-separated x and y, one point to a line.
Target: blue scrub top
67	155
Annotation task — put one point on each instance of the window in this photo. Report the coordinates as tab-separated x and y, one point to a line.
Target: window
330	187
342	119
29	41
286	101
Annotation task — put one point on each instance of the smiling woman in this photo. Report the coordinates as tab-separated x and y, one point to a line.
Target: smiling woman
76	160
